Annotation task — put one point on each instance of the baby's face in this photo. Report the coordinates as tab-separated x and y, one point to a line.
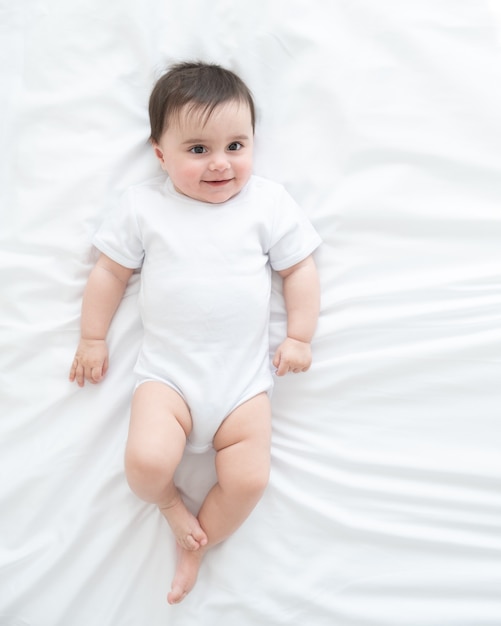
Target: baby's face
209	160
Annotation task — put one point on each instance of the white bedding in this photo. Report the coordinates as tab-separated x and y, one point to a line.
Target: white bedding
383	120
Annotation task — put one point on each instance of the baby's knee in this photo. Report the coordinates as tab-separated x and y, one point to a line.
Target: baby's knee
254	482
146	473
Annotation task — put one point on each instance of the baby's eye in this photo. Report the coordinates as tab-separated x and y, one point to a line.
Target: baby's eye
235	145
198	150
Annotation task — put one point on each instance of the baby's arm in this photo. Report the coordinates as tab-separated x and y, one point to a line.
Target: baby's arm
302	301
103	293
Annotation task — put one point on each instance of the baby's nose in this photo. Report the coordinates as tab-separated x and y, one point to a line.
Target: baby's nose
219	162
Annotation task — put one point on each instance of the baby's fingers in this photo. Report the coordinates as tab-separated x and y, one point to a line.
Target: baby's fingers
77	373
96	374
281	364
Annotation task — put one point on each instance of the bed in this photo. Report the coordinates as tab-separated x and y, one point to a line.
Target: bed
384	504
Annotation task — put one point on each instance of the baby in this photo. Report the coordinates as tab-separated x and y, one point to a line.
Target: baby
206	238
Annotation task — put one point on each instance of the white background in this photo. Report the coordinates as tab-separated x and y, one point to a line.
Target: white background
382	119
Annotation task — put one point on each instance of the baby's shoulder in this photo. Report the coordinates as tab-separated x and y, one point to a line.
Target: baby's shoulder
148	196
262	184
266	192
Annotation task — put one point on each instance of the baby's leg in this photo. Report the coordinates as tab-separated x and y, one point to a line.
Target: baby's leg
242	444
159	425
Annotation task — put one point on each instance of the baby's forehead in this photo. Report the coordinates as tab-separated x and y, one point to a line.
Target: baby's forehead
199	113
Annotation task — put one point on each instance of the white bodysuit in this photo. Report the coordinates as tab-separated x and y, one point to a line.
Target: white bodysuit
205	288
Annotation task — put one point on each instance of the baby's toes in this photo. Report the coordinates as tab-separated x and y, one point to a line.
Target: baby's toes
189	543
200	536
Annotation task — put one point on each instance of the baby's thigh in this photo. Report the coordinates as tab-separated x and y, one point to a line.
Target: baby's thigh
160	420
242	444
251	421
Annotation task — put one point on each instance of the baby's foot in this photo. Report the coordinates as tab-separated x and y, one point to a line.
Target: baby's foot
185	577
188	532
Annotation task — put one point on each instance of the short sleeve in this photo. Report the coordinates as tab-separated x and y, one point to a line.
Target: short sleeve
119	235
293	236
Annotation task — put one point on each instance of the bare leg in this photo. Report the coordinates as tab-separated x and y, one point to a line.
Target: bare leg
159	424
242	444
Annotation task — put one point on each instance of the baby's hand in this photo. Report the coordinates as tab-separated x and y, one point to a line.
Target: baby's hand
90	362
292	356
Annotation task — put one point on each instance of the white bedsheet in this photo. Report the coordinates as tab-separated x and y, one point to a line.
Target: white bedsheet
384	507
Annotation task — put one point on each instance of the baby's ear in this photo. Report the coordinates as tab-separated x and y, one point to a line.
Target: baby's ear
158	153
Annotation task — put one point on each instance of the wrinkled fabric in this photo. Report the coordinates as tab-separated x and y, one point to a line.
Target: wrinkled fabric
382	121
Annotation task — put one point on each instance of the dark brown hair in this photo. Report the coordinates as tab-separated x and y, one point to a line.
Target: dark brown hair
202	85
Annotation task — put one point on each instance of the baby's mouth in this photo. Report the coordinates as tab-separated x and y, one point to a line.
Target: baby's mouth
218	183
